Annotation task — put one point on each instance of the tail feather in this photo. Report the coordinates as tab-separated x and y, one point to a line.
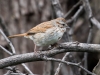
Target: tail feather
17	35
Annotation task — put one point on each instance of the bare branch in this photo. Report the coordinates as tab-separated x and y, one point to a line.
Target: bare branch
63	59
13	50
4	49
87	8
41	57
75	15
57	8
64	47
72	9
86	54
79	47
95	22
27	69
9	42
89	13
68	63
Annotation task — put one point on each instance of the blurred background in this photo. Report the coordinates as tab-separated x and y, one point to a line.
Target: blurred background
21	15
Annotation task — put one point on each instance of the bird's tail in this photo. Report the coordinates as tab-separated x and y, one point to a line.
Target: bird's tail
17	35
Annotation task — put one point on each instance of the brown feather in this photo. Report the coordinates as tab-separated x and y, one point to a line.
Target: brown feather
41	28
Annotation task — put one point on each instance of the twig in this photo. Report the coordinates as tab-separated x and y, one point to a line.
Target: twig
27	69
71	31
57	8
13	60
86	54
87	8
63	59
21	64
69	12
13	50
95	22
6	50
89	13
73	20
9	42
76	14
88	41
64	47
90	33
68	63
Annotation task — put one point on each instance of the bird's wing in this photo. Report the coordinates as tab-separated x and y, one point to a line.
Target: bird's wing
40	28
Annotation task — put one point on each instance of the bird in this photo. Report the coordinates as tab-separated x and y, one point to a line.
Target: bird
46	33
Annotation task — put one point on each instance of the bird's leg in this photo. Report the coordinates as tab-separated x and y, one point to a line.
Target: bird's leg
53	46
35	48
49	47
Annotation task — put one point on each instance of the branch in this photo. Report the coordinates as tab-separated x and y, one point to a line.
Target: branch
64	47
8	41
13	50
57	8
58	11
89	13
76	14
68	63
95	22
69	12
43	58
63	59
4	49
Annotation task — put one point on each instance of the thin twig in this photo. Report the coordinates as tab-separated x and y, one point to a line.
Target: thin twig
71	31
88	10
68	63
90	34
63	59
57	8
6	50
27	69
69	12
95	22
88	41
13	50
9	42
76	14
86	54
73	20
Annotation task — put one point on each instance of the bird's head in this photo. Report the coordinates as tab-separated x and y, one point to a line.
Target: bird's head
61	22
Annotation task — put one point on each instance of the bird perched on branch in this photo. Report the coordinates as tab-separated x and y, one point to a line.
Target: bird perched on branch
46	33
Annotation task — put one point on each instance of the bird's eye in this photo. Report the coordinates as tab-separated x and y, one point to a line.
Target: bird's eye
63	24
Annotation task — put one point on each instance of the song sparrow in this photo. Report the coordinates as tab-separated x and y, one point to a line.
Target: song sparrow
46	33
